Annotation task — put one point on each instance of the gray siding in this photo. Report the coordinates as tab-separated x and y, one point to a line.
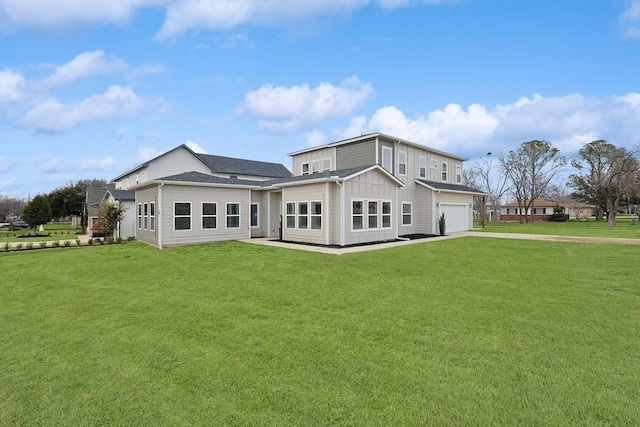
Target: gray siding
356	154
306	193
319	154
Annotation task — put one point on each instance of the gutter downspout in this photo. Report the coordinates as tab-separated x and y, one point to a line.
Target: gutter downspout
159	215
342	216
325	215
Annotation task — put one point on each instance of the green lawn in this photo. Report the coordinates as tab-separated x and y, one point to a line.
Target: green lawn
590	228
63	231
466	331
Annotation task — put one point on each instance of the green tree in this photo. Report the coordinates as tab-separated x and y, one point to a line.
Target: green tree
109	218
37	211
606	177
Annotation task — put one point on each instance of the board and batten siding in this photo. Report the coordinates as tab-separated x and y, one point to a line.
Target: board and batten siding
305	193
147	195
196	196
458	199
372	185
319	154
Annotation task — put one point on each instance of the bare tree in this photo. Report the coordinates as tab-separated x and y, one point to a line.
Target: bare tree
607	176
485	176
530	169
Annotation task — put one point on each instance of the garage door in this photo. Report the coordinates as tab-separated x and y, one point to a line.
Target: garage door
455	216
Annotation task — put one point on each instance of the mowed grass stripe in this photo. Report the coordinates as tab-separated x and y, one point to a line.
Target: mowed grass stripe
465	331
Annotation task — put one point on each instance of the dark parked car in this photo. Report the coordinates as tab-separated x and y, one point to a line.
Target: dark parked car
20	224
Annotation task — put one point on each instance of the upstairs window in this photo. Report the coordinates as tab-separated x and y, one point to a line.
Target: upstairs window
402	162
386	158
444	171
305	169
434	163
423	167
459	174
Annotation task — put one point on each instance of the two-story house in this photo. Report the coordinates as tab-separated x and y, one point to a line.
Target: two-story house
365	189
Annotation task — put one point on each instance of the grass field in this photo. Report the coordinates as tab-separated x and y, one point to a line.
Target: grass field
466	331
590	228
62	231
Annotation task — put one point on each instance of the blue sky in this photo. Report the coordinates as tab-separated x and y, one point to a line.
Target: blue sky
90	89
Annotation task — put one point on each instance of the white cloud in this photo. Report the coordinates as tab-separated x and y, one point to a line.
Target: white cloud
315	138
82	66
97	164
12	86
629	19
121	133
52	116
567	121
195	147
145	154
286	108
144	70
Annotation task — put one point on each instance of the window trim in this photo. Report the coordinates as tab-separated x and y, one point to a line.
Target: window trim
380	215
182	216
152	216
290	215
139	216
203	216
444	175
300	215
316	166
389	150
458	174
313	215
401	163
145	216
410	204
422	159
227	216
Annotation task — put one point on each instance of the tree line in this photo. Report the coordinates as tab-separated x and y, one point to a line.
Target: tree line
605	176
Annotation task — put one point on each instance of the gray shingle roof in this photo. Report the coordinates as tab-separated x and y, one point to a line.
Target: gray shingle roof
204	178
450	187
123	194
339	173
233	166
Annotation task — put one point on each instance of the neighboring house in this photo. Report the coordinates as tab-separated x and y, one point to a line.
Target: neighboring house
126	200
93	198
579	210
542	210
366	189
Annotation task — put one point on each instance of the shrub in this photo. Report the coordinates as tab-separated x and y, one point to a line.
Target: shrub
77	242
67	243
18	246
6	246
118	239
90	242
56	243
29	246
131	238
43	245
109	240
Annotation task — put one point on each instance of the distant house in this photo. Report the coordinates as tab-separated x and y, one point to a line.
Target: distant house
542	210
124	199
577	210
93	198
365	189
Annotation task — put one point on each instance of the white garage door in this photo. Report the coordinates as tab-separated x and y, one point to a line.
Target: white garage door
455	216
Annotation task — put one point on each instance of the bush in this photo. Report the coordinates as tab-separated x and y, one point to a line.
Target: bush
43	245
6	246
56	243
29	246
67	243
118	239
90	242
131	238
77	242
18	246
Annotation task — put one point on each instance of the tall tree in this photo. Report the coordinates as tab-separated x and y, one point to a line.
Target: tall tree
606	177
37	211
530	169
109	217
67	200
484	176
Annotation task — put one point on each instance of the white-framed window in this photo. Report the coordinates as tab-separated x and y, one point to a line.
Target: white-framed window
386	214
152	216
444	171
145	216
370	214
434	163
181	216
140	216
316	166
402	163
386	158
406	214
255	215
316	215
303	212
233	215
291	215
422	167
459	174
209	215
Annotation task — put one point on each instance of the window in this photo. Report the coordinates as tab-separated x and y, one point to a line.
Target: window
434	164
386	158
303	211
326	165
316	215
139	215
182	216
291	215
356	213
373	215
145	216
402	162
458	174
444	171
209	215
423	167
152	216
254	215
305	169
315	167
406	213
233	215
386	214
